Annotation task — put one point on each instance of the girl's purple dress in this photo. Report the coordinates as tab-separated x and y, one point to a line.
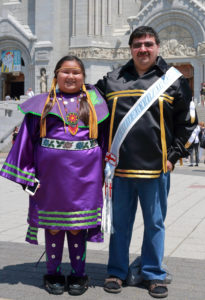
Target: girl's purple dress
70	194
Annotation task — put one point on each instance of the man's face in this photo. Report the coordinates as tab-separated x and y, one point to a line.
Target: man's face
144	52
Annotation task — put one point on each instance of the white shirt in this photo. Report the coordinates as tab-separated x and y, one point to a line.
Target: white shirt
30	94
196	141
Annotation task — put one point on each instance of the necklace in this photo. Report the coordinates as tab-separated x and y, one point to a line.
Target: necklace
72	118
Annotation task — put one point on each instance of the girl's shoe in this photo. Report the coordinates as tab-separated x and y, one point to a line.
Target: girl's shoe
54	284
77	285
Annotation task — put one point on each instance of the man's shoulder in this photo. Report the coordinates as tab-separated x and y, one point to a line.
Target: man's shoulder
120	69
114	73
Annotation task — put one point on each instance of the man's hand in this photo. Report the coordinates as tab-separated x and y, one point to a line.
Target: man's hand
169	166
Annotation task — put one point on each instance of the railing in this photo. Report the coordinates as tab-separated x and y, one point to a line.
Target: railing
5	102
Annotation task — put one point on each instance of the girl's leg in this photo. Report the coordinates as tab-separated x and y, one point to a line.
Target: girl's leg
54	251
78	280
77	252
54	282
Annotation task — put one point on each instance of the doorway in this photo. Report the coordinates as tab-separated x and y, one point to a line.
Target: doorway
13	85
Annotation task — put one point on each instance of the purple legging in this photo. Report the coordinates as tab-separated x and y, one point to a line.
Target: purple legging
54	252
77	252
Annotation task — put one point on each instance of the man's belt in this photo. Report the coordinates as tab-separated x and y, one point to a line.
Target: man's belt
69	145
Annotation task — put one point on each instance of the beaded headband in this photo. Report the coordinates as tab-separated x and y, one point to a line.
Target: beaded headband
67	68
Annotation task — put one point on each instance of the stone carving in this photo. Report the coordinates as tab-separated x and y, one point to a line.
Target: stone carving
172	47
101	53
42	55
201	48
43	81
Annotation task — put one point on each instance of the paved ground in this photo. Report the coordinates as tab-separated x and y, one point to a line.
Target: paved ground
184	249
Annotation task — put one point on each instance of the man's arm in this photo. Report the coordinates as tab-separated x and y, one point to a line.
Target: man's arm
184	125
101	86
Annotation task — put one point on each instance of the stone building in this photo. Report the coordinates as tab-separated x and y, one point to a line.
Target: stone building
36	33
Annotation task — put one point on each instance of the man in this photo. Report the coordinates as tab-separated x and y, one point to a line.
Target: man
7	98
30	93
146	156
194	149
202	92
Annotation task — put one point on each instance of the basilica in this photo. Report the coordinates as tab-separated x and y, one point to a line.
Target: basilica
35	34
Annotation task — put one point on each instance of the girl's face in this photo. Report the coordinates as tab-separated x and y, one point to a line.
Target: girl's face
70	77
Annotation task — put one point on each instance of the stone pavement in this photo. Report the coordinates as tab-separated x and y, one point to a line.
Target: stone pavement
184	247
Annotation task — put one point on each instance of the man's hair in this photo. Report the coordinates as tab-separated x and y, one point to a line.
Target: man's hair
144	31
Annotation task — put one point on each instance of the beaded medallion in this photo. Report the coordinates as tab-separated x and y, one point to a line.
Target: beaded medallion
72	119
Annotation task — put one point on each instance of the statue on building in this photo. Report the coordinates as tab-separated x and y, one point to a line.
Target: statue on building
43	81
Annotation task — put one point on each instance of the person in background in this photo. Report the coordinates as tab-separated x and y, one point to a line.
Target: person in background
147	154
30	93
8	97
14	134
62	143
202	92
202	141
194	149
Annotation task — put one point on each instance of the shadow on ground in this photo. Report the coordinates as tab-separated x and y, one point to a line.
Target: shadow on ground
20	279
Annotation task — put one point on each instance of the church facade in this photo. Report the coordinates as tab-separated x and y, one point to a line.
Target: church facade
34	34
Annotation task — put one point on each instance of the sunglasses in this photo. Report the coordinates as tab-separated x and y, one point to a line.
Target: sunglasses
146	44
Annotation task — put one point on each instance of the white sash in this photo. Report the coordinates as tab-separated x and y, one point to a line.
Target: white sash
133	115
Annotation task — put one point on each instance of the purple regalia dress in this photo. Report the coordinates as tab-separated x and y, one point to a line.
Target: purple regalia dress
69	167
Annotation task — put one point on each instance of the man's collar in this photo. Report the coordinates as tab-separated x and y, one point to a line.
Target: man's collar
160	64
128	66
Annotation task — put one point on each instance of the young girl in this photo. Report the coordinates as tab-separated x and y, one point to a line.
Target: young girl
14	134
62	143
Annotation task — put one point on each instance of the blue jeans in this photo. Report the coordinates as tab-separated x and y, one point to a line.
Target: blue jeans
152	194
